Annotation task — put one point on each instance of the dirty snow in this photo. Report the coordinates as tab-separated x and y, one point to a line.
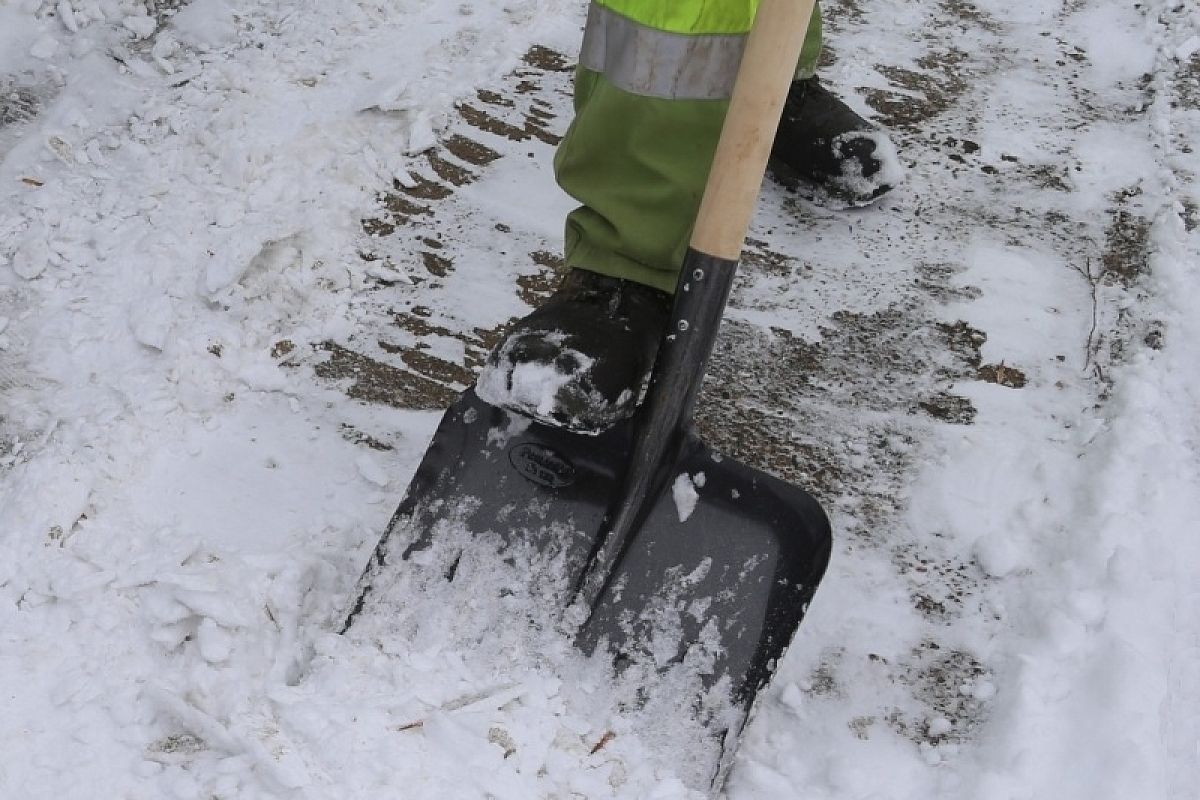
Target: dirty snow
989	379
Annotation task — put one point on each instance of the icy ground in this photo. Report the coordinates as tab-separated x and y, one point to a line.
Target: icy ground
247	249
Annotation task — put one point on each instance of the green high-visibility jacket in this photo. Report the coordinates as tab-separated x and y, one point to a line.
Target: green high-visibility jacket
651	93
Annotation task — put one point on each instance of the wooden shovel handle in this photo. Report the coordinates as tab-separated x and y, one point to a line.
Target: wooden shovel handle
767	69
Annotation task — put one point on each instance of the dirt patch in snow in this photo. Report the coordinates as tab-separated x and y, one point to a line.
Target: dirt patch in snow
535	288
948	407
836	15
951	692
436	369
162	10
954	686
18	103
543	59
940	78
1002	375
353	434
1191	215
373	381
468	150
1187	84
534	125
823	680
1126	255
868	365
22	98
178	746
957	12
1115	277
921	94
943	583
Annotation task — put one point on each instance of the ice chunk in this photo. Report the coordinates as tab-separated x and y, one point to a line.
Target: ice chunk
66	15
792	698
387	273
684	492
371	471
44	48
32	258
141	26
151	322
1188	49
998	554
214	642
940	726
420	134
984	690
205	25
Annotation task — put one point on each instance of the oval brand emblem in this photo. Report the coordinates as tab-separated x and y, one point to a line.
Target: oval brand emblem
542	465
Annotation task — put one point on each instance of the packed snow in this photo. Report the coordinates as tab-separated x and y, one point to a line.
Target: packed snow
189	492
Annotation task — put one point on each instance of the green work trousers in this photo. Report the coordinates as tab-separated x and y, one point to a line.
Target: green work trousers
638	152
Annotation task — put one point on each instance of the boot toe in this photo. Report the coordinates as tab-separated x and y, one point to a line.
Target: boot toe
829	152
854	152
582	360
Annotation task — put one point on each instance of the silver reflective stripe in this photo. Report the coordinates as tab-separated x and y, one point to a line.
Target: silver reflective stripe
655	63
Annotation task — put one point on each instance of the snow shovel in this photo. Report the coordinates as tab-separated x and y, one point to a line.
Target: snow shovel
663	546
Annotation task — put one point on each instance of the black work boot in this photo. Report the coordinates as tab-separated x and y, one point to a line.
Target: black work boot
581	360
844	159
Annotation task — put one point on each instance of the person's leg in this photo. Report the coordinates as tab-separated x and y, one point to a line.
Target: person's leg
651	95
637	155
652	90
810	54
637	165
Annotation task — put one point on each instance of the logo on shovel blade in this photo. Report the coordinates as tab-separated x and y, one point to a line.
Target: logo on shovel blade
542	465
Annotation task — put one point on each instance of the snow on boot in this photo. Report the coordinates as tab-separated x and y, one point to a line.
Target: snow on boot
844	159
582	360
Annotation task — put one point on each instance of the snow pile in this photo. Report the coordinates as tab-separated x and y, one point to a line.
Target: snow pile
527	704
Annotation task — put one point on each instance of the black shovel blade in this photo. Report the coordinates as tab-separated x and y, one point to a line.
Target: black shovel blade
719	572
